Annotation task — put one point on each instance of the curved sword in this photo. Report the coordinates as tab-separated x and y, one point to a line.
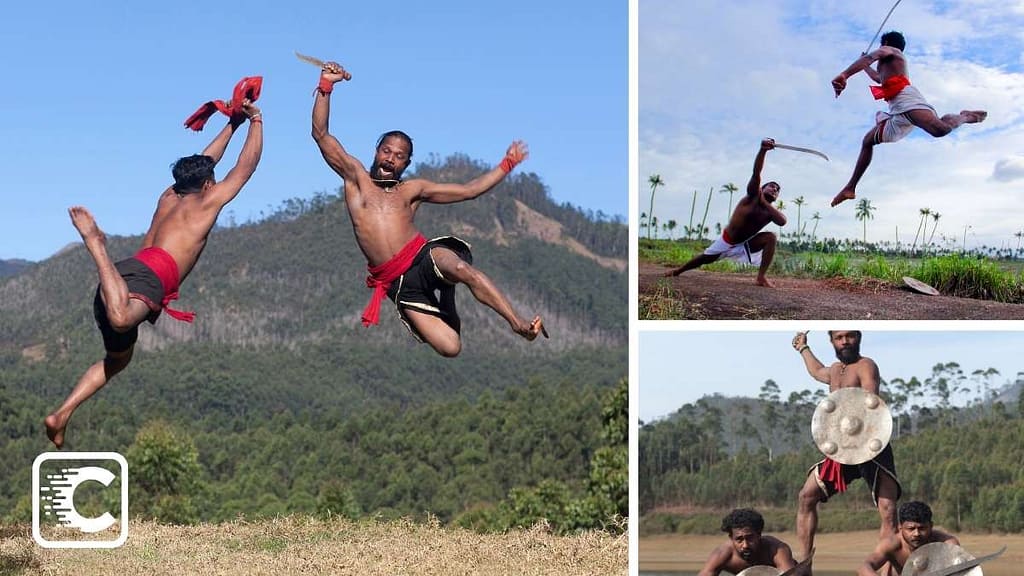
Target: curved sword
799	149
883	25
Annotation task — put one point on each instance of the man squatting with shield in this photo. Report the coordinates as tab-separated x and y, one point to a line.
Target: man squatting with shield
915	530
140	287
402	264
747	546
742	239
829	477
907	107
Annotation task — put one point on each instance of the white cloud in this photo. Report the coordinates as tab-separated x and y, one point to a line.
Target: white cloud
715	78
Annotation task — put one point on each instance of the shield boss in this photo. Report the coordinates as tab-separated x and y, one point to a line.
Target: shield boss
938	555
851	425
761	571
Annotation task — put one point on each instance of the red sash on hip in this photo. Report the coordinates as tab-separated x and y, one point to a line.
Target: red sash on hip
383	275
890	88
166	269
832	471
247	88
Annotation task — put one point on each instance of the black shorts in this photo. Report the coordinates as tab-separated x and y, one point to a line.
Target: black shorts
884	463
424	289
143	284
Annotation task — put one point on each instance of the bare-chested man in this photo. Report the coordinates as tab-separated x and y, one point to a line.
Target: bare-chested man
828	477
747	547
907	107
402	264
742	240
915	530
140	287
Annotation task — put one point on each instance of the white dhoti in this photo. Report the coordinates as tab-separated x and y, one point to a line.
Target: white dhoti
737	252
896	123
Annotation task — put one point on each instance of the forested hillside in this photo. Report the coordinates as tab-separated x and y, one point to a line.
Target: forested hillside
963	458
286	403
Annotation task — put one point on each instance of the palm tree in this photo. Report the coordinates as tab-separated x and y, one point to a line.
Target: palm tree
864	213
935	219
1020	236
924	216
780	206
816	217
799	201
706	206
671	226
655	181
730	188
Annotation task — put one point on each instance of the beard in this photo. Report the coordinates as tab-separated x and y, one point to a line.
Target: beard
848	355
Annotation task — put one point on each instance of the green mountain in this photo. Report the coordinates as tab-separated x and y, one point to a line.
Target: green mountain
12	267
277	352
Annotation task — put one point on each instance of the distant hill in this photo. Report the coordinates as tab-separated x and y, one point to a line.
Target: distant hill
277	351
12	267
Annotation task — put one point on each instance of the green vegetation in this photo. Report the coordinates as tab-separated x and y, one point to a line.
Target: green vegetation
277	401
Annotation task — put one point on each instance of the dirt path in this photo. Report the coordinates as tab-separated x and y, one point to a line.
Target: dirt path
700	295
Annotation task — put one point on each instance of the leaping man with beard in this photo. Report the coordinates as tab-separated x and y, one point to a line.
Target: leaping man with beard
742	240
915	530
747	546
828	477
418	275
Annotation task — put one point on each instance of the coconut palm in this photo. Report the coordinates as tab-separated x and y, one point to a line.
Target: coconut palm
935	219
816	217
671	226
731	189
863	212
655	181
1020	236
780	206
924	217
799	201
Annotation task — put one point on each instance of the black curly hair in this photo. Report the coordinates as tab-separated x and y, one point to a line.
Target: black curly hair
743	518
191	172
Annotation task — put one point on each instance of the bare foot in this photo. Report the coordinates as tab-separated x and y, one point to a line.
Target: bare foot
536	327
973	116
762	281
844	195
86	225
671	273
55	429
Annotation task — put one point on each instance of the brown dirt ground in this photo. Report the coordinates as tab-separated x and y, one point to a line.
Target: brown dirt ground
700	295
838	552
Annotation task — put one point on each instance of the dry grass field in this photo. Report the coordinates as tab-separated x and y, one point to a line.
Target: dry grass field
840	552
310	546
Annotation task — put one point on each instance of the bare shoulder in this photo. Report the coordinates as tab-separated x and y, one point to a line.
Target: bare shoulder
940	536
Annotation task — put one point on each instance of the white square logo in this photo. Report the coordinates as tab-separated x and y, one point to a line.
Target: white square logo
56	520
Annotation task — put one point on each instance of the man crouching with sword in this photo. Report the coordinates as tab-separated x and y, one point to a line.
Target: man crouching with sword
742	240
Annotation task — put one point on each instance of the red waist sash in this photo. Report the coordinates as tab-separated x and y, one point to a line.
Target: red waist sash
166	269
383	275
890	88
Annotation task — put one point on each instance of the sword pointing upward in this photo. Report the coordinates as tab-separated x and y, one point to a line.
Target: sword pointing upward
868	49
965	566
799	149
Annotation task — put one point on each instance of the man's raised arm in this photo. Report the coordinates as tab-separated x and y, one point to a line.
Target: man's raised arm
215	149
862	63
225	190
337	158
441	193
815	368
754	186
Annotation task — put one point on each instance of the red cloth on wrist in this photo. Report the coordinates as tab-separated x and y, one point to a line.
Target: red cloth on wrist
248	88
325	86
507	164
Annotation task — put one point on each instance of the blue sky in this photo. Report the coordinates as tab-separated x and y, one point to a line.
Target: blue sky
679	367
717	77
95	95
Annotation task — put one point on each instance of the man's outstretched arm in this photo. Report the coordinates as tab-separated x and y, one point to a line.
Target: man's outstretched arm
754	186
441	193
815	368
215	149
225	190
863	63
337	158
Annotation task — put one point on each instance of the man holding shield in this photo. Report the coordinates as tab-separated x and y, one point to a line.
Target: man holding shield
747	547
829	477
915	530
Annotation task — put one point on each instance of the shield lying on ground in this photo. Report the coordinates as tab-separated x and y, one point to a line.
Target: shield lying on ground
939	558
851	425
918	286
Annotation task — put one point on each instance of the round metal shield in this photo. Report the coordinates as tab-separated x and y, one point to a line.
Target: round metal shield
761	571
851	425
919	286
938	555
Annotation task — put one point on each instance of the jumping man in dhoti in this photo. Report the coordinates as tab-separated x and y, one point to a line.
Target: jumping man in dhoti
742	240
907	107
418	275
